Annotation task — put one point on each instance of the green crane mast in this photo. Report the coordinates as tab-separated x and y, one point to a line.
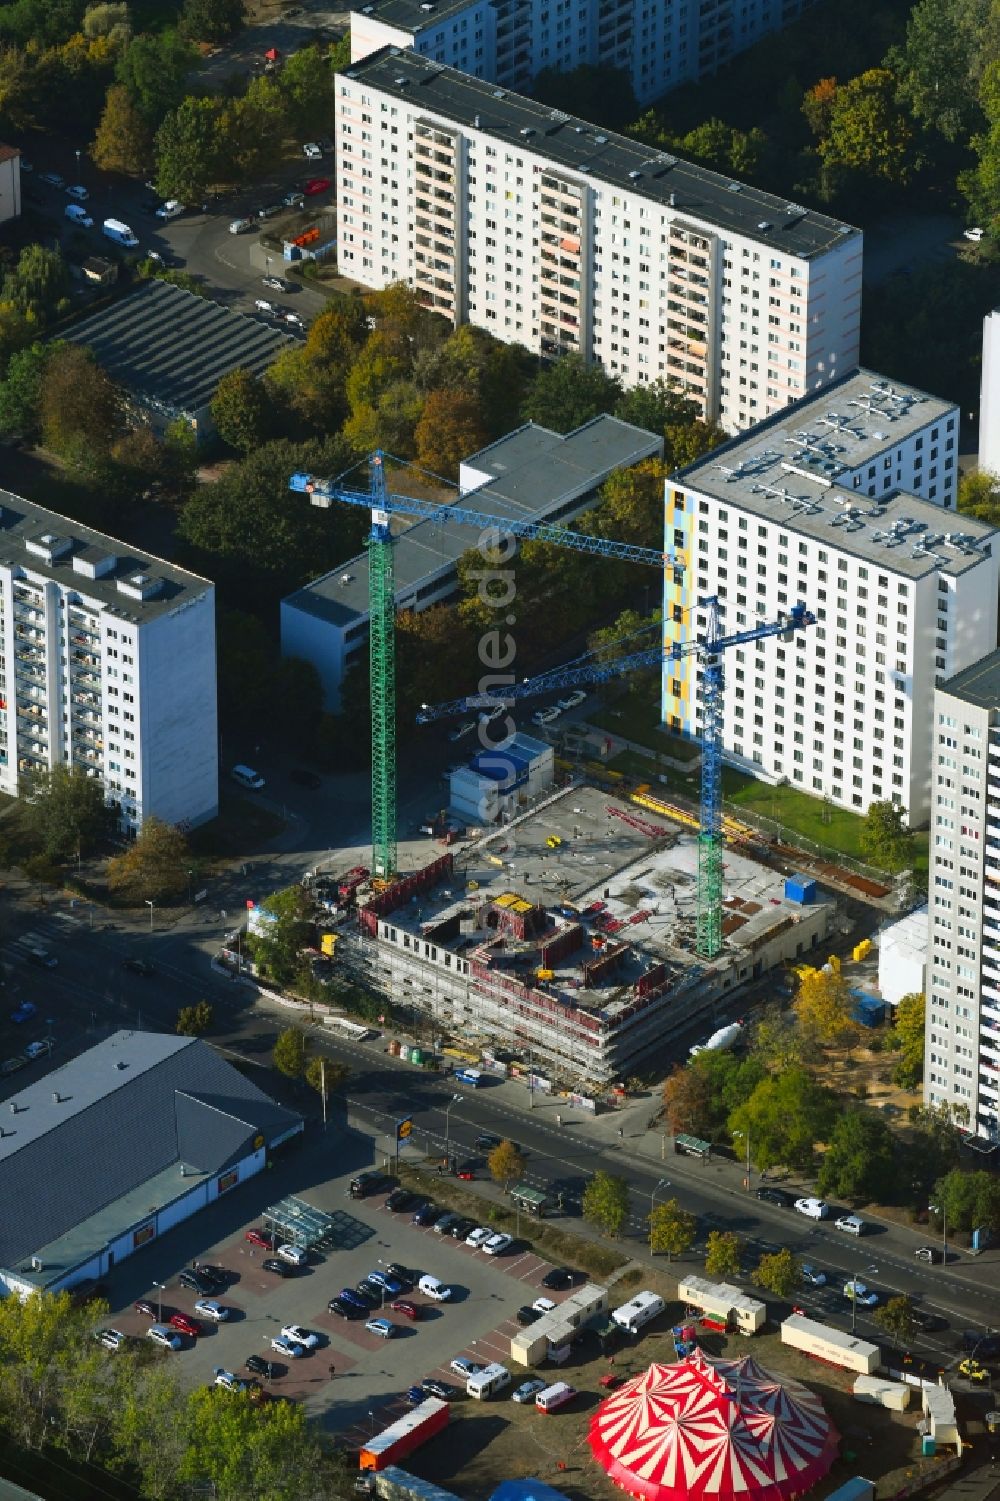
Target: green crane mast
382	662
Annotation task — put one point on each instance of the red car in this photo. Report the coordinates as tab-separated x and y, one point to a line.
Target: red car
258	1238
184	1323
316	185
405	1307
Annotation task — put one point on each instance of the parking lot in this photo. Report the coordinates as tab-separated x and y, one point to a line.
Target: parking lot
368	1372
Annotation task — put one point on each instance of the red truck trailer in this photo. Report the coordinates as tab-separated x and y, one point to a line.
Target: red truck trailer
414	1428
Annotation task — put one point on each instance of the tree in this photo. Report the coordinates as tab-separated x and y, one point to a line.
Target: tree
786	1115
110	19
723	1254
823	1005
605	1202
817	106
969	1200
688	1101
123	142
309	381
285	927
21	391
38	285
909	1032
896	1317
885	839
237	1449
860	1160
326	1074
241	410
251	132
155	866
868	133
65	811
671	1229
79	406
189	149
211	20
940	66
777	1039
306	84
632	504
777	1272
154	68
935	1145
505	1163
451	427
289	1053
979	495
568	393
196	1020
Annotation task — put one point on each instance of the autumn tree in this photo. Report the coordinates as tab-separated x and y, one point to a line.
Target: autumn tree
823	1005
886	840
568	393
896	1317
189	149
817	106
211	20
153	69
38	285
196	1020
284	928
777	1039
606	1202
671	1229
251	131
777	1272
867	132
154	867
723	1254
909	1033
505	1163
688	1101
289	1052
632	504
311	378
110	19
786	1116
306	84
123	142
450	428
979	495
326	1075
65	813
241	410
78	408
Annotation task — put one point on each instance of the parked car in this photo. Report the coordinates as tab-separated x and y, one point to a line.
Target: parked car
170	209
487	1141
241	226
139	967
294	1255
36	1049
401	1273
294	199
444	1224
269	210
371	1294
851	1224
312	151
78	191
769	1195
144	1306
434	1388
210	1309
228	1381
464	1368
53	179
478	1237
406	1308
259	1364
259	1238
527	1391
527	1315
975	234
279	1268
111	1339
546	716
812	1276
431	1287
195	1281
467	1170
461	1227
185	1324
287	1347
23	1013
813	1209
928	1323
497	1244
543	1305
382	1327
348	1295
572	700
928	1253
301	1336
415	1395
427	1214
400	1199
860	1292
559	1278
316	185
219	1275
345	1310
165	1337
388	1284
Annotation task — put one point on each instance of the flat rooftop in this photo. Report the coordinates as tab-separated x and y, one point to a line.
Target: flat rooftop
134	585
977	684
575	144
652	884
411	15
530	473
172	347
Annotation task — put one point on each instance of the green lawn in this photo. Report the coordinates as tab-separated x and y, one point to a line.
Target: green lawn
796	811
639	720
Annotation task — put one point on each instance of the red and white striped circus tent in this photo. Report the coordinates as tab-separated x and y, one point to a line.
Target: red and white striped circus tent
713	1430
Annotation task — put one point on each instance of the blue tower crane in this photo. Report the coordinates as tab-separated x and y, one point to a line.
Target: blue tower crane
383	504
709	650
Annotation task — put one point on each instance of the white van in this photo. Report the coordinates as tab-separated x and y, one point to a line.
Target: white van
247	777
493	1378
555	1396
115	230
638	1311
78	214
431	1287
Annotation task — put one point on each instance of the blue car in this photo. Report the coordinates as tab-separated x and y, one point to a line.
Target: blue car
382	1279
415	1394
24	1012
348	1295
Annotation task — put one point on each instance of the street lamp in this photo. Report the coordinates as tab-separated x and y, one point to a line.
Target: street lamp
663	1183
150	905
872	1272
942	1210
455	1100
160	1290
746	1136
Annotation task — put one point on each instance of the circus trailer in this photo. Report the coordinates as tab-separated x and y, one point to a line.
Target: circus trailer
711	1429
721	1302
406	1434
837	1347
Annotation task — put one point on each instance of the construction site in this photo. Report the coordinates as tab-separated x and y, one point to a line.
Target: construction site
567	941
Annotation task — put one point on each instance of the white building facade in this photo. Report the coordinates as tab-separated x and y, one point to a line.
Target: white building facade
989	395
10	183
962	1043
108	665
508	42
554	234
806	509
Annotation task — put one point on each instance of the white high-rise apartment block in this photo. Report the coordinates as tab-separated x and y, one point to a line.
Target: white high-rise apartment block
108	663
840	504
962	1040
552	233
989	395
508	41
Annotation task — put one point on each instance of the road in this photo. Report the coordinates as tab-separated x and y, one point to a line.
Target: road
90	993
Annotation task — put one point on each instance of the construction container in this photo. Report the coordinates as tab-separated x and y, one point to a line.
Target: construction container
800	889
861	950
928	1446
866	1009
895	1395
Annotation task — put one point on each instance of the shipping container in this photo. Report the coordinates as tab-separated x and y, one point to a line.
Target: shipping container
406	1434
867	1009
800	889
394	1484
